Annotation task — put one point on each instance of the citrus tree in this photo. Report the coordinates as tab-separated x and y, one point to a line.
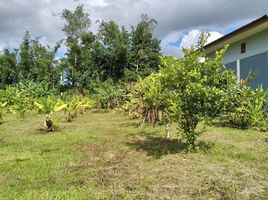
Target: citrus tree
195	87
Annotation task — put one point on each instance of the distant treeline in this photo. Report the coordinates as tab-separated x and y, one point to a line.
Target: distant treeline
113	53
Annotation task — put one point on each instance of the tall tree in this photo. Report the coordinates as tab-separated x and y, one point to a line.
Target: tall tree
116	45
77	24
45	66
87	69
145	48
25	58
8	68
37	62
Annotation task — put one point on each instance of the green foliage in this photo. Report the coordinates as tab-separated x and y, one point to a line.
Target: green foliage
49	105
116	49
86	103
8	64
146	100
37	62
9	95
22	104
35	90
109	95
186	90
145	50
111	53
25	58
18	101
76	105
77	24
72	108
247	107
197	88
20	97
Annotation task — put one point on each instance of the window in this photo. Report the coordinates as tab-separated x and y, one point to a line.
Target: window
243	48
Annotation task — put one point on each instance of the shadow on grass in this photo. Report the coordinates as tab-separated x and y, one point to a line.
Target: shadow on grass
158	146
225	123
131	124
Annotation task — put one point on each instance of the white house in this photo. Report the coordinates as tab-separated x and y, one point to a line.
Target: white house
248	50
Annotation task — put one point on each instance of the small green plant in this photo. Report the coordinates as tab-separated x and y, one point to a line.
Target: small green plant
109	95
22	104
85	104
247	107
48	106
72	108
9	95
76	105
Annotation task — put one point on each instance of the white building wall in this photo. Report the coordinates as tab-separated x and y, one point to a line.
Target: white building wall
255	44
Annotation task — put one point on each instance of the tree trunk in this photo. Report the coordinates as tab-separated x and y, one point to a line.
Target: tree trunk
144	118
48	123
167	131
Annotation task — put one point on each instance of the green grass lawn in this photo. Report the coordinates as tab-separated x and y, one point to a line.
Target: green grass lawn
108	156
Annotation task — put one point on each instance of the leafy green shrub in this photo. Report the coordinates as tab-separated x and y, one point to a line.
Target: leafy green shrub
76	105
22	104
195	88
34	90
9	95
188	89
20	97
146	101
109	95
72	108
247	107
17	101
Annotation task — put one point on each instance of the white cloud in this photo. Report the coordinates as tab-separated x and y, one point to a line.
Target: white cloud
168	44
187	40
1	47
171	50
190	39
96	3
173	37
42	17
214	36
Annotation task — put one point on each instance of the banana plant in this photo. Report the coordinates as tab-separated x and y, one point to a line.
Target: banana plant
77	105
21	105
256	105
2	105
72	108
85	104
48	106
